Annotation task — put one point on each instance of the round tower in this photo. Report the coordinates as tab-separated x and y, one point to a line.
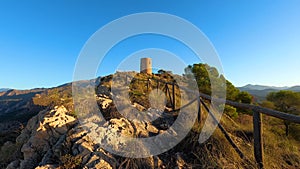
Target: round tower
146	65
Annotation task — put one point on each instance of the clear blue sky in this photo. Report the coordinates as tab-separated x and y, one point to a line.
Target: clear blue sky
258	42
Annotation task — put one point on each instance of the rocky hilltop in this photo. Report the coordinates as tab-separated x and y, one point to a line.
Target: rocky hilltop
54	138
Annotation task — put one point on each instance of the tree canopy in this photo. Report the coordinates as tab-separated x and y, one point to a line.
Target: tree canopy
203	74
285	101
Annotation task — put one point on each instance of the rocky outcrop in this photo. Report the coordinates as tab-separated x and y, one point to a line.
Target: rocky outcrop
53	139
42	134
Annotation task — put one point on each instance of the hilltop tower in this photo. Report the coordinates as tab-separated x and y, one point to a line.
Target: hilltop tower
146	65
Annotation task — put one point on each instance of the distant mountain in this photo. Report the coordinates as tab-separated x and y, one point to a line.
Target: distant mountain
4	89
261	87
260	91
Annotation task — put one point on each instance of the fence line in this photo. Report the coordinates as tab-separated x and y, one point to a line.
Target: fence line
257	116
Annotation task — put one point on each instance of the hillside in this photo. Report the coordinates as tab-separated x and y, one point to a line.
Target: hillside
17	105
54	138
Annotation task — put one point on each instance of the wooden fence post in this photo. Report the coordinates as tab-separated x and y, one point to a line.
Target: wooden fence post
258	142
173	93
199	110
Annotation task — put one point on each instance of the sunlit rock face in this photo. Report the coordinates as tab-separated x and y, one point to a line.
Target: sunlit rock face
42	135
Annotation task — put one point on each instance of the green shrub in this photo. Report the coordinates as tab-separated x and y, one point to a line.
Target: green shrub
231	111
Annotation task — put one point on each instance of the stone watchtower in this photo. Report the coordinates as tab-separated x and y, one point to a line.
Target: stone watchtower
146	65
